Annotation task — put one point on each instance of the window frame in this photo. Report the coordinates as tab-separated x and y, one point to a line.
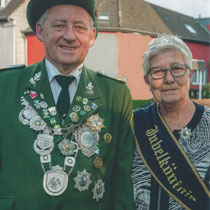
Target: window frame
196	77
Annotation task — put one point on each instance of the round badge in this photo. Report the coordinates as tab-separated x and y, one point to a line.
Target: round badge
43	104
98	163
74	117
78	98
87	108
82	112
85	101
76	108
107	137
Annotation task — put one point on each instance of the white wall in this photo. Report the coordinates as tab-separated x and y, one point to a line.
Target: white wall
104	54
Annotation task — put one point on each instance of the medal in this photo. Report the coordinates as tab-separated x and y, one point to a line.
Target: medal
87	108
52	111
37	124
67	147
107	137
87	140
78	98
76	108
55	181
43	144
74	117
185	133
82	180
98	163
98	190
85	101
69	161
95	122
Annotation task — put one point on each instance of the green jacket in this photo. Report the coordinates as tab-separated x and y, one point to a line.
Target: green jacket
21	174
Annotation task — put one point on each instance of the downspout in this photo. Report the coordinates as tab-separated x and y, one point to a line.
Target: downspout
119	14
13	22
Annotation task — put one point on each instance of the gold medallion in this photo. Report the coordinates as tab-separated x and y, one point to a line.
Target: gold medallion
98	163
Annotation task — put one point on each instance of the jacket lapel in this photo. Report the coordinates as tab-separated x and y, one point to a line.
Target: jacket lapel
39	94
87	99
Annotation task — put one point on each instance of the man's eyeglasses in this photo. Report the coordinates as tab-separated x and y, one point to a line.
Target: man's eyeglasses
177	70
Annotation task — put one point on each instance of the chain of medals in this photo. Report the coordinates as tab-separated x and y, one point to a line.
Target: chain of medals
84	137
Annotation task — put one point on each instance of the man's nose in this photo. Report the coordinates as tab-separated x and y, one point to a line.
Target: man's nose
69	33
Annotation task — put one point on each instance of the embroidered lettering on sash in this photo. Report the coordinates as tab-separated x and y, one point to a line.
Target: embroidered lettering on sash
169	169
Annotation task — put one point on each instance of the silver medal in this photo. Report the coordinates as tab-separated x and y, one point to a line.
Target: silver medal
43	144
37	124
185	133
82	180
87	140
98	190
67	147
69	161
55	181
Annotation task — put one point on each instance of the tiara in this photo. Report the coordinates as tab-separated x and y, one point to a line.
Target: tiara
167	39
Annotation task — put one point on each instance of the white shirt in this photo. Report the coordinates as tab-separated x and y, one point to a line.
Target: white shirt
52	71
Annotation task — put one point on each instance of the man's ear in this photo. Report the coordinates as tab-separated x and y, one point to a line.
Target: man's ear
93	37
39	32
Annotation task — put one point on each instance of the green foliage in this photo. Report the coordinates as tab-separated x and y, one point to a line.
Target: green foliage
141	103
206	91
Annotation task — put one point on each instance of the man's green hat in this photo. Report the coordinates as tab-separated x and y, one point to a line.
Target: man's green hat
36	9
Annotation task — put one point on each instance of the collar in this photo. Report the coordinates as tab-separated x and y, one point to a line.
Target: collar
52	71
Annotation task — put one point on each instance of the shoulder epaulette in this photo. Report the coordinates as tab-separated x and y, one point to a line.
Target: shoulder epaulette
18	66
115	77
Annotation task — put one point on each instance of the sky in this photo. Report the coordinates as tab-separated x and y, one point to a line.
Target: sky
192	8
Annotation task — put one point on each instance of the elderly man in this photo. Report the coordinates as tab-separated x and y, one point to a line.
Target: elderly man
66	140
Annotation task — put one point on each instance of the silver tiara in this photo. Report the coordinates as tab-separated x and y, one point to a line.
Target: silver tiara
167	39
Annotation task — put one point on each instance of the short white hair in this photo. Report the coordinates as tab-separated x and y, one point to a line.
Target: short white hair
162	43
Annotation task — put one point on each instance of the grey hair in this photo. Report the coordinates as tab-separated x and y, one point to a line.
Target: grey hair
43	19
165	43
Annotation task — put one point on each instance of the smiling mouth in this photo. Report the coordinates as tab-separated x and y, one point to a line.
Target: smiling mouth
68	48
168	90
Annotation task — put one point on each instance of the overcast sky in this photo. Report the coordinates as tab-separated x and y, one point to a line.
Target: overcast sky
192	8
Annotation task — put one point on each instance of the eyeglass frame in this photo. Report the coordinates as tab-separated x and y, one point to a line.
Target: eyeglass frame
168	69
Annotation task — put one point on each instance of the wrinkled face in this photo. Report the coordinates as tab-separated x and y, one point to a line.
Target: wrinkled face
67	35
170	89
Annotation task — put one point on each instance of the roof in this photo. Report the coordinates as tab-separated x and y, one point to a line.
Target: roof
135	15
204	22
184	26
199	65
9	9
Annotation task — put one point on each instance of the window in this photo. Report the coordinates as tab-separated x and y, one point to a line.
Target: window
2	3
190	29
196	77
103	17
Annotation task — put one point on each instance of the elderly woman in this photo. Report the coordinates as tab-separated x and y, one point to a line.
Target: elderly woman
171	164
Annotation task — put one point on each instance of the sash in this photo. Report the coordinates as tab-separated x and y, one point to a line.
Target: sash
167	162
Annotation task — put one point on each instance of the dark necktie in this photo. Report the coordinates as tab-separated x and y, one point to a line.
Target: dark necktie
63	102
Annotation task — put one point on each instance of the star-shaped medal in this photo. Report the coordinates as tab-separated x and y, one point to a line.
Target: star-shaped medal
185	133
82	180
95	122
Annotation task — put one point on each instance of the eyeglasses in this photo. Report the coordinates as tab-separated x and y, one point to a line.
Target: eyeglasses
177	70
